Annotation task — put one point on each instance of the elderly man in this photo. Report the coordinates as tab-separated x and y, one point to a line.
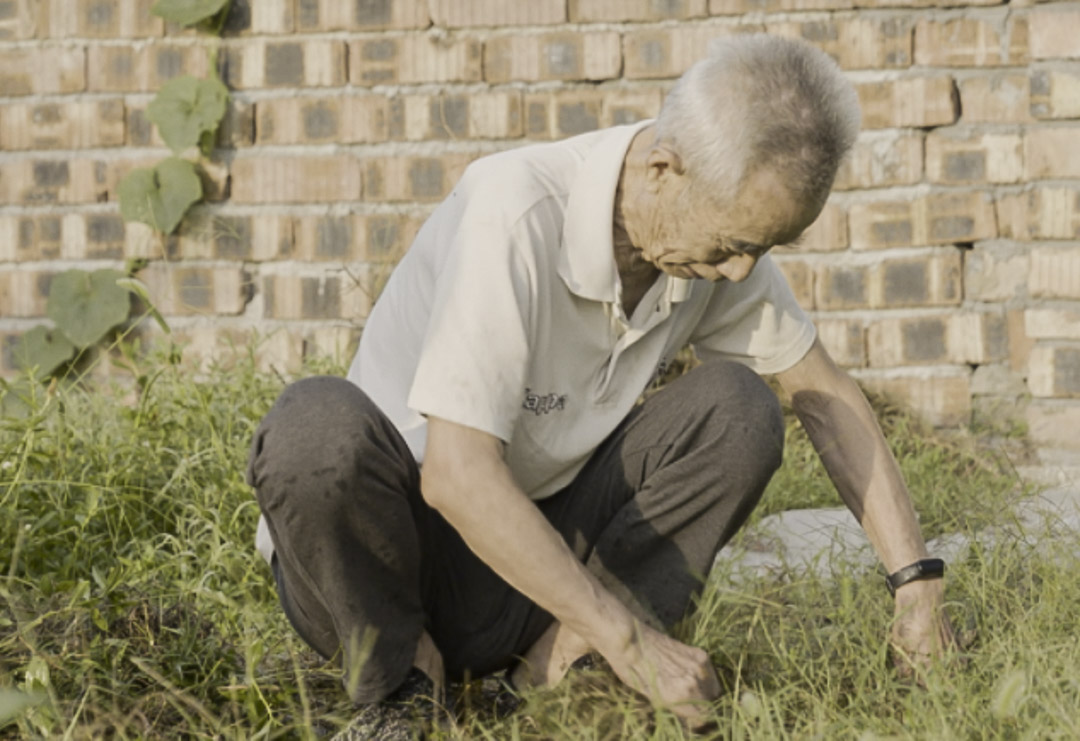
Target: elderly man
553	515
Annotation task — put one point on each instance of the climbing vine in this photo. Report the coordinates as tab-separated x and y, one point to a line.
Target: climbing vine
88	307
187	112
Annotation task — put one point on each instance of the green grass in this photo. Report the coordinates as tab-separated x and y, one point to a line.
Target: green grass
132	604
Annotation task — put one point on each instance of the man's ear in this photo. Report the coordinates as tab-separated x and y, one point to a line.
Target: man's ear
662	161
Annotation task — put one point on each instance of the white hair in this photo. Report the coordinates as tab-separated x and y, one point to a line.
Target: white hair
760	101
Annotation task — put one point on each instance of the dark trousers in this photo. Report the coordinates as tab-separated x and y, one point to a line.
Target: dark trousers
363	564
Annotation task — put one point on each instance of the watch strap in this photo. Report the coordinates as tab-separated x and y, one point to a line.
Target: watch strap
926	568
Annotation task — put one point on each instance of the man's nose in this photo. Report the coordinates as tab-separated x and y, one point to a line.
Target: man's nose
737	268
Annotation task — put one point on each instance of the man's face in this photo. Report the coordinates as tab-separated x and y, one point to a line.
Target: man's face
692	236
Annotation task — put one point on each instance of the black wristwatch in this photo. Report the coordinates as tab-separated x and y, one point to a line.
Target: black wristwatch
927	568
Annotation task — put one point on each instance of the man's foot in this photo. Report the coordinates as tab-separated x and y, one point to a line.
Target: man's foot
547	661
398	717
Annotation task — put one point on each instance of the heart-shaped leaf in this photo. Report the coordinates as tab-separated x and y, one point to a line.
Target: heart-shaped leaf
160	196
187	12
187	111
85	306
43	348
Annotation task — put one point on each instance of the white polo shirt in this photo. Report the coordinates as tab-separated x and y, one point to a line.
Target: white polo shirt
505	315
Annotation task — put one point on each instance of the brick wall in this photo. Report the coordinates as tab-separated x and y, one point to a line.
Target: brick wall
944	270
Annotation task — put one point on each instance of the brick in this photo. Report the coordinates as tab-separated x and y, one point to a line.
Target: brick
909	101
668	52
629	106
98	236
42	71
845	341
105	19
998	380
414	59
1054	370
191	290
934	280
482	115
1054	32
586	55
30	238
939	218
739	7
855	43
497	13
388	236
310	179
237	129
16	21
995	273
336	237
800	277
1055	272
1052	324
314	297
311	120
260	17
970	157
987	40
143	68
361	15
413	178
955	338
204	346
9	237
881	159
942	398
269	64
57	181
840	287
337	344
216	346
23	292
995	97
1051	153
107	175
561	113
1040	213
588	11
1055	93
211	235
63	125
828	233
928	280
72	236
1053	423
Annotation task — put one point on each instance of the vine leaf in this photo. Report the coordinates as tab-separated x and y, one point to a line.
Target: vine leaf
85	306
160	196
44	348
187	12
187	111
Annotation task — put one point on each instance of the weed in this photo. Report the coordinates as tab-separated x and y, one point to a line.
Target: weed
132	604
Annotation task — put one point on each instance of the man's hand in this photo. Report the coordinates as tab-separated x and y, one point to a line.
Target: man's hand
921	631
671	674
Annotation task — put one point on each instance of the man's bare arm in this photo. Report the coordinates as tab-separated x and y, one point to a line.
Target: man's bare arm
846	434
465	479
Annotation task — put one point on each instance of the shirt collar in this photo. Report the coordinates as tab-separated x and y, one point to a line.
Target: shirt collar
587	258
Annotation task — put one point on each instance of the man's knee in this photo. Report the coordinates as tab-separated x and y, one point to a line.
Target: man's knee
740	413
316	430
